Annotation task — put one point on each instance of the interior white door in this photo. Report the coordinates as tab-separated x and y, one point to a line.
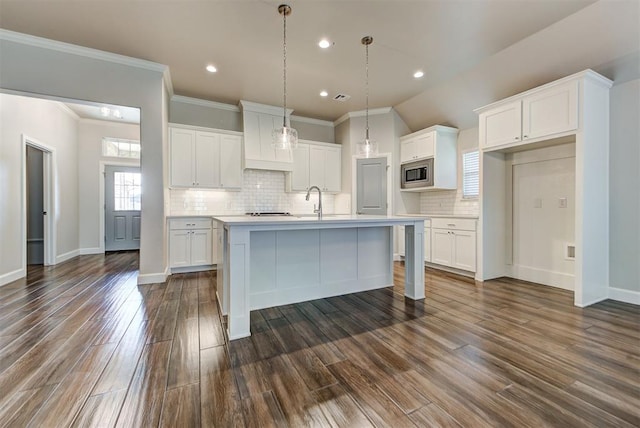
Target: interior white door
371	186
122	208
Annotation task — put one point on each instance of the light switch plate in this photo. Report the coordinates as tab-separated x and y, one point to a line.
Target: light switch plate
537	203
562	203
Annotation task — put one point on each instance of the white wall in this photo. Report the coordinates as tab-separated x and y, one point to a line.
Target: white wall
53	126
451	202
39	66
90	134
624	209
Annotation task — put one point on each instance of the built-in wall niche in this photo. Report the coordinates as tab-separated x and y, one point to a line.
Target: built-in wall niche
540	215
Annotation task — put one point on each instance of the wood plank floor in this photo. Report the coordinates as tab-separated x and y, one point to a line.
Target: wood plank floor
82	345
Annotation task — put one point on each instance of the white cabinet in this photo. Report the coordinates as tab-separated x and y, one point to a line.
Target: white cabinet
539	115
427	243
316	164
205	159
437	142
259	122
191	242
453	243
417	147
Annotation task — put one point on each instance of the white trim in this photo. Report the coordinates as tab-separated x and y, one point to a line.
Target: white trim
67	256
465	273
205	129
311	120
188	269
263	108
12	276
104	122
361	113
589	303
626	296
166	78
68	48
562	280
204	103
65	108
153	278
87	251
49	193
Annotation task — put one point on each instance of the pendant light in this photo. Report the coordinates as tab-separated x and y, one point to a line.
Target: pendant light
285	138
367	148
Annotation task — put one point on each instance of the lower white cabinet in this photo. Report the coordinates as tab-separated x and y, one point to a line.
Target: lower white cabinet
453	243
191	242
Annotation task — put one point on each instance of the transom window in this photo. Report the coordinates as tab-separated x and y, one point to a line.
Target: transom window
119	148
126	191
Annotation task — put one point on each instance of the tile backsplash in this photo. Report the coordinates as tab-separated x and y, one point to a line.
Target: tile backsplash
448	202
261	191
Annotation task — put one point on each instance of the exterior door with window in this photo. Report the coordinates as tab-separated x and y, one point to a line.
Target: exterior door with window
122	208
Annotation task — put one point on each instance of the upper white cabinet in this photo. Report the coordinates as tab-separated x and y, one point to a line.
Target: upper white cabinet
437	142
316	164
414	147
537	115
259	122
205	159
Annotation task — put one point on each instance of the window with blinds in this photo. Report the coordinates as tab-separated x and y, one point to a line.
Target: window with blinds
471	174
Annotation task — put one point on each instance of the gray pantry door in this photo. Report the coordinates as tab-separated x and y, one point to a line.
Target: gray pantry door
122	208
372	186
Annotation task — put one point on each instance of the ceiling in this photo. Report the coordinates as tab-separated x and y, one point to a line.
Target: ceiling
459	44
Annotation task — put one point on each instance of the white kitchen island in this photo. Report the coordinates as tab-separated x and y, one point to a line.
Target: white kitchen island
273	261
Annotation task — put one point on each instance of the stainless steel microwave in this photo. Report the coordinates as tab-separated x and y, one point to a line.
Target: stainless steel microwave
417	174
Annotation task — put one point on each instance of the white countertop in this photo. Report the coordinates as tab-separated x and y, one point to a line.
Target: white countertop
312	219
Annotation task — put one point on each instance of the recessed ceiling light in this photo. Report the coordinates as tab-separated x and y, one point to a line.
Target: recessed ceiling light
211	68
324	93
324	43
418	74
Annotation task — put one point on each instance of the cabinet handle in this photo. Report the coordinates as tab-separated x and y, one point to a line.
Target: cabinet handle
451	224
525	136
517	138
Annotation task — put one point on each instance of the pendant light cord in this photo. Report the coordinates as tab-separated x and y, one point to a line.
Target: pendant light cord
367	91
284	73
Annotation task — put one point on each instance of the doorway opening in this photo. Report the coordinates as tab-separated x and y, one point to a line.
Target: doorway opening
37	222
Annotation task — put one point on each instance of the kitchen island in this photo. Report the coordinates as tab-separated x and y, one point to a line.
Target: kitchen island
273	261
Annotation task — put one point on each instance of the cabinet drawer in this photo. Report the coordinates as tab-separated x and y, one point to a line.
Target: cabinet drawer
189	223
454	223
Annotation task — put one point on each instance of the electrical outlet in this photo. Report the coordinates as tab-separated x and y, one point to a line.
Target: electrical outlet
562	203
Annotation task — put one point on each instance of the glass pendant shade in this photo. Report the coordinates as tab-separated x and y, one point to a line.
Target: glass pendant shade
285	138
367	148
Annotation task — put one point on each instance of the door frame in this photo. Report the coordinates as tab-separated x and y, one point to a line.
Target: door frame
49	203
354	181
101	198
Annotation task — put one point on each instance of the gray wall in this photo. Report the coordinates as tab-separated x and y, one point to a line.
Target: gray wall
40	70
624	182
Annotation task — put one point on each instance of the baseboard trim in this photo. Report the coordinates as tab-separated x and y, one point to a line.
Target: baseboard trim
188	269
540	276
460	272
12	276
87	251
626	296
591	302
67	256
153	278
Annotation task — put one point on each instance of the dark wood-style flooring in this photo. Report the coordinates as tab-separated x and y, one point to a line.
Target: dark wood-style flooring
82	345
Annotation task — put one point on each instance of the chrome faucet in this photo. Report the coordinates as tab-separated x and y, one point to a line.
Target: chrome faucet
319	209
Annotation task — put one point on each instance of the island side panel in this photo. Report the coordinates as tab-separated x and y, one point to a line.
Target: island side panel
414	260
239	278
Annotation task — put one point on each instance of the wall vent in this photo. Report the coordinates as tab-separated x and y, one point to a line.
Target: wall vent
341	97
569	251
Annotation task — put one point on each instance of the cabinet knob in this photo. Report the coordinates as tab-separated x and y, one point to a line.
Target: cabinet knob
517	138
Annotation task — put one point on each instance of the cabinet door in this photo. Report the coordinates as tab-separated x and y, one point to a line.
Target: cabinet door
267	152
551	111
407	152
179	254
424	145
316	166
441	246
207	159
427	244
251	125
401	240
201	247
333	169
181	158
464	256
230	161
300	173
501	125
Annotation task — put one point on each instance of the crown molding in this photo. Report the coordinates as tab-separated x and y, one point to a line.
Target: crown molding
204	103
311	120
361	113
263	108
40	42
68	111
